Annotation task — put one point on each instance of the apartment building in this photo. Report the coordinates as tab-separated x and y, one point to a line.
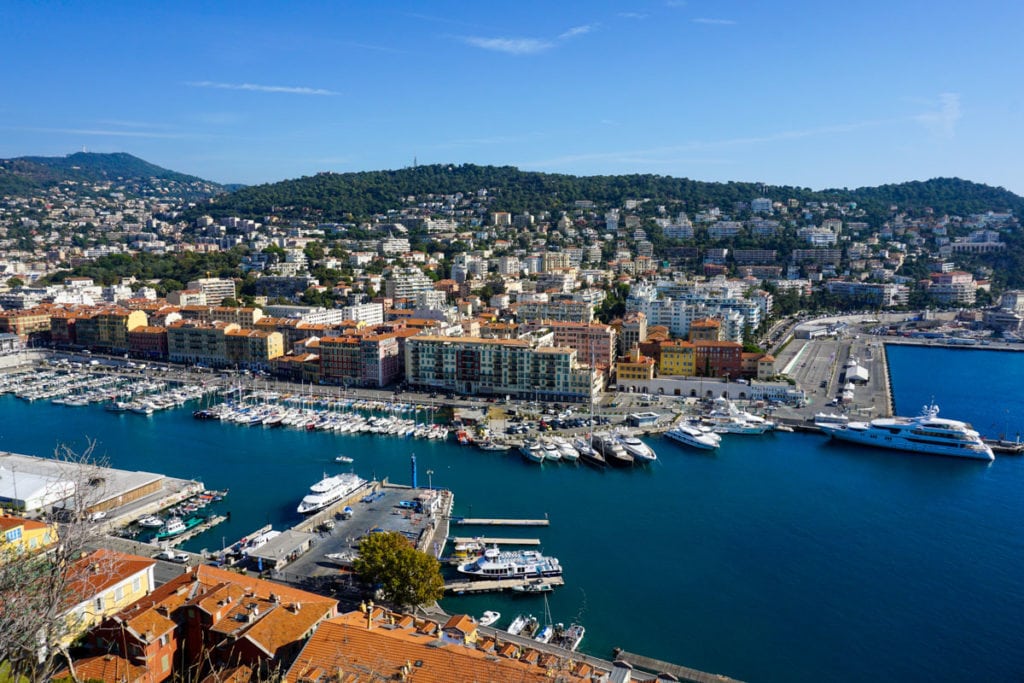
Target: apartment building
198	342
514	367
216	289
253	349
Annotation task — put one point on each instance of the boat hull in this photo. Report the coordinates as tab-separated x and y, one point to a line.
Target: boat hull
867	438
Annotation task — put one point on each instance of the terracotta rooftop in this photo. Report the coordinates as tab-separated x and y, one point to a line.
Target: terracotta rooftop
355	647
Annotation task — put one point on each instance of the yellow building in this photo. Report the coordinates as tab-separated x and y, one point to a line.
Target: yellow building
252	348
189	341
103	583
634	366
678	358
24	535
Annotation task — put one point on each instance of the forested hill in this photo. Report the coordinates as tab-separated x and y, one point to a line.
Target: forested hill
23	175
341	196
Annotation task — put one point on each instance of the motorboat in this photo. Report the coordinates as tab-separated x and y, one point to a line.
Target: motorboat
694	436
345	459
726	418
490	445
550	451
516	564
532	451
612	451
587	454
566	449
151	522
489	618
927	433
537	586
640	451
524	624
569	638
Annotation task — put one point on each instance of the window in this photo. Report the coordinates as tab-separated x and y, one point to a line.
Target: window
119	594
99	604
136	584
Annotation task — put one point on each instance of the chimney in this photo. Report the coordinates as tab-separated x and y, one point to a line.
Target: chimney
369	615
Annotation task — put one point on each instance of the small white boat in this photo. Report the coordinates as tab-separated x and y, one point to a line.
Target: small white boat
345	459
489	618
151	522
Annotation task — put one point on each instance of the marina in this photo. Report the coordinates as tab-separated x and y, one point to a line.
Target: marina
761	528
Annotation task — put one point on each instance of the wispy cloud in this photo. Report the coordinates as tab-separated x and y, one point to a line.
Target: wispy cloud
512	46
134	124
104	133
713	22
942	122
576	31
632	15
253	87
527	46
675	3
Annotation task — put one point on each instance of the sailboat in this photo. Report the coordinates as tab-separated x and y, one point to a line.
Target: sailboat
588	454
547	632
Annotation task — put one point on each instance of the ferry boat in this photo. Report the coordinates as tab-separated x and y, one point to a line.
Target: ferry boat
329	490
517	564
696	437
926	433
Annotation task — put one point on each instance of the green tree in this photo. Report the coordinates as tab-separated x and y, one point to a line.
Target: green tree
15	282
405	576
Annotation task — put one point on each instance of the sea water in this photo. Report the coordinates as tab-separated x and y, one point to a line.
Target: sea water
781	557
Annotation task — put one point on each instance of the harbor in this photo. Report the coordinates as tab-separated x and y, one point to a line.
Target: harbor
765	526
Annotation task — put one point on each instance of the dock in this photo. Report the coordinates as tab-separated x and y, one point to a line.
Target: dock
680	672
485	521
175	541
493	585
497	541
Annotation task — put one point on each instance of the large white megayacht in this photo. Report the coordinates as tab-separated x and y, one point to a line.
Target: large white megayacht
329	490
926	433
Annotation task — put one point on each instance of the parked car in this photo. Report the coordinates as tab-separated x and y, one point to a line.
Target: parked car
172	556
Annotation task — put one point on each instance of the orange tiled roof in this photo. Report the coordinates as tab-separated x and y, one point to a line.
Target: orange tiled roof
8	522
108	667
344	649
101	569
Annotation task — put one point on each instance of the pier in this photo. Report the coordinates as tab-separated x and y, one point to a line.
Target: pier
486	521
680	672
175	541
494	585
492	540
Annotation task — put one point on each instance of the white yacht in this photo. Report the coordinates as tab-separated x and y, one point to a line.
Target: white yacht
532	451
550	450
726	418
640	451
926	433
566	449
329	490
692	435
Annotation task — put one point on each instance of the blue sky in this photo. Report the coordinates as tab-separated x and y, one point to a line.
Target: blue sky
814	94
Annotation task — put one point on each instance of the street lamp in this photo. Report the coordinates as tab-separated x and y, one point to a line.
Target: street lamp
430	482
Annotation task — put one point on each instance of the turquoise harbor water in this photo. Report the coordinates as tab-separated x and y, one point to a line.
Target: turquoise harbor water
779	558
